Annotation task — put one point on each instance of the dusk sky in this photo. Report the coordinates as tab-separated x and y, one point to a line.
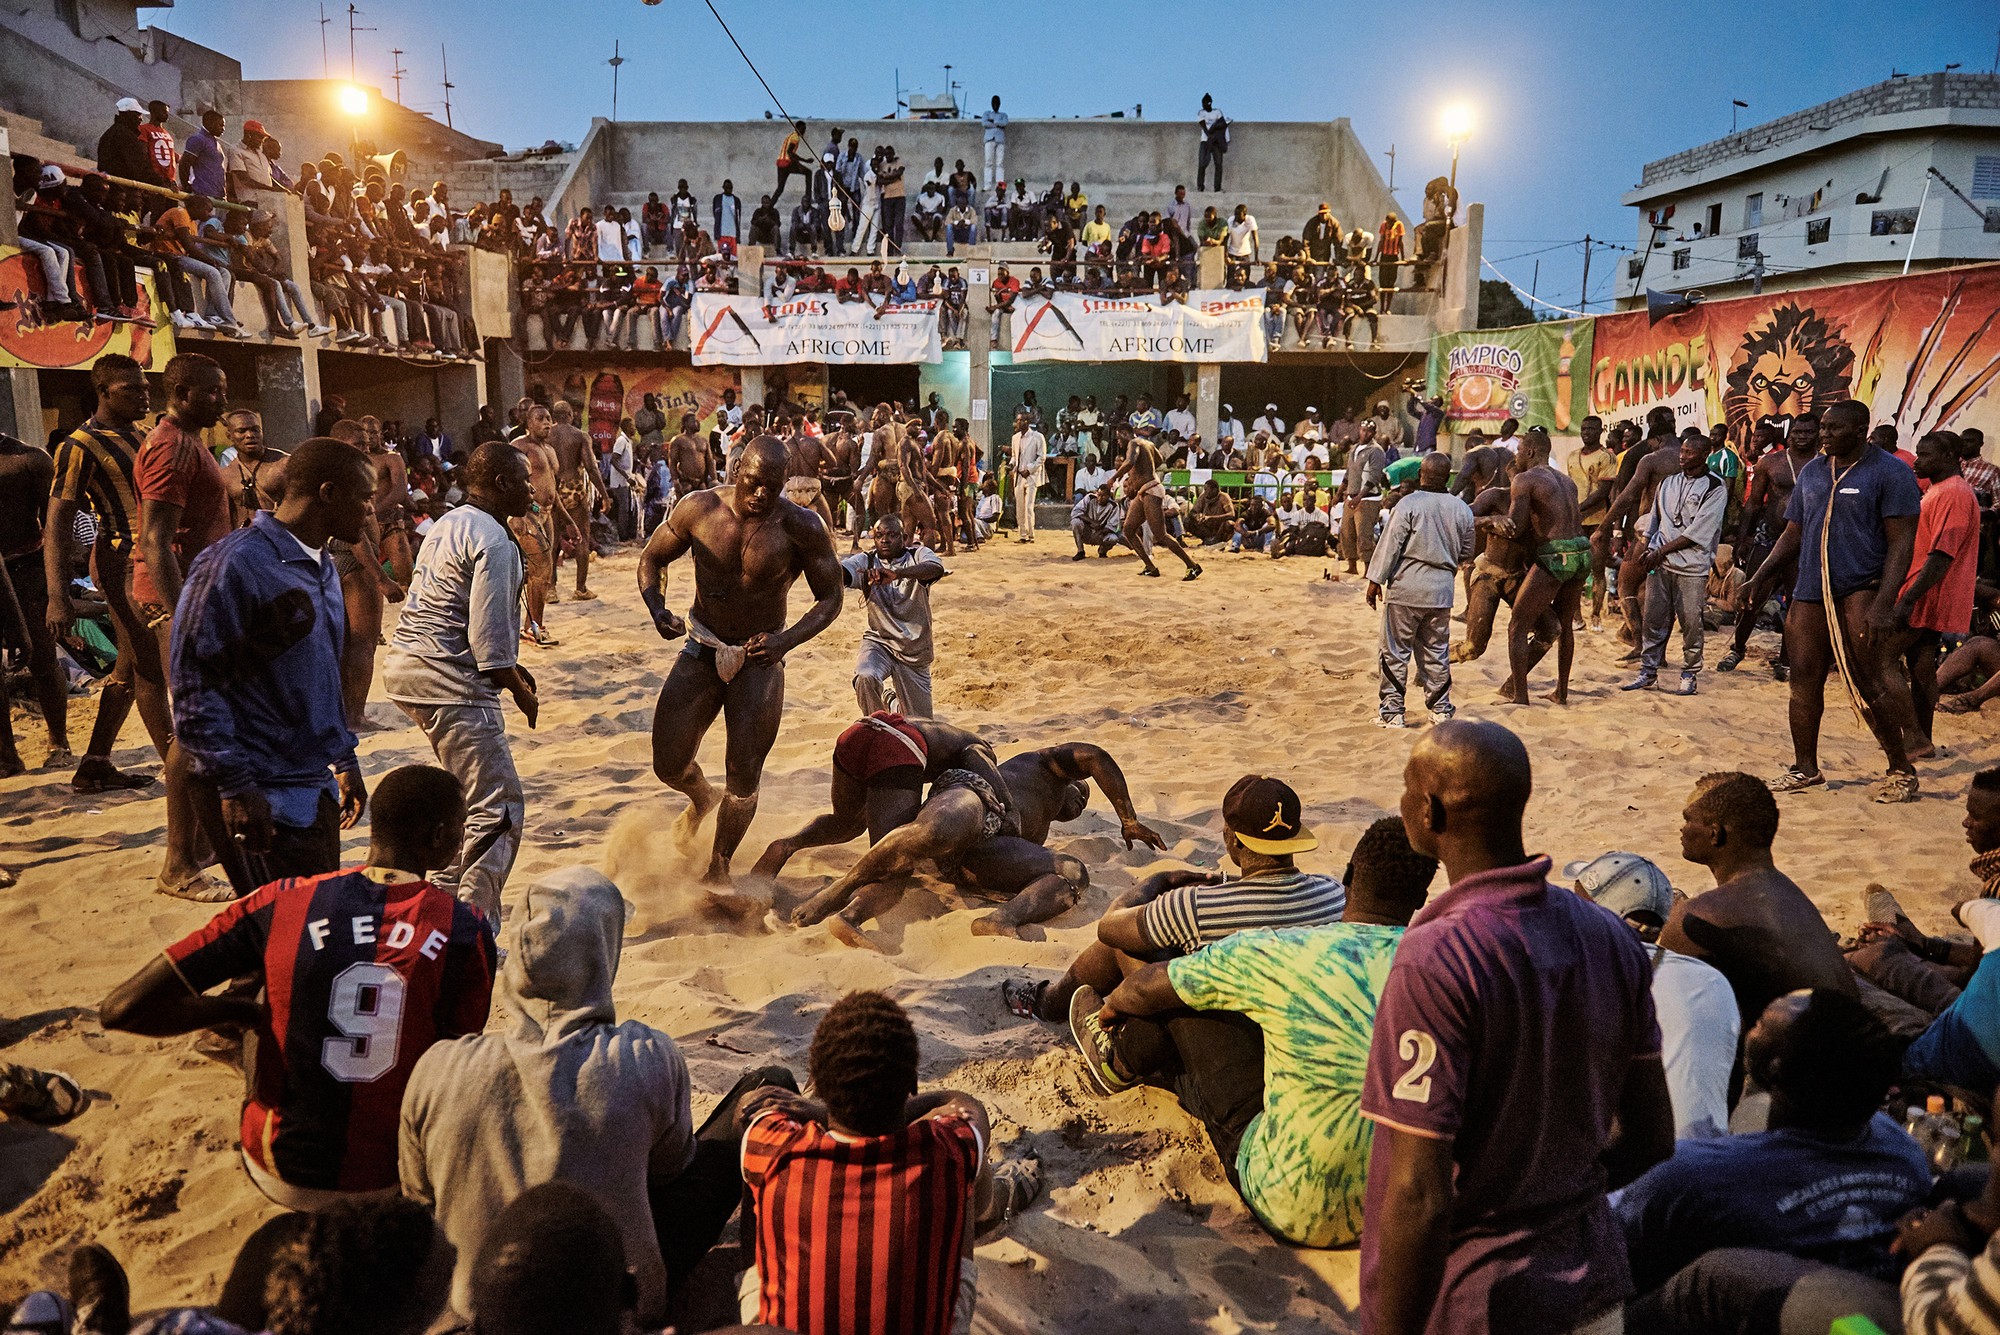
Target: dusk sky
1570	97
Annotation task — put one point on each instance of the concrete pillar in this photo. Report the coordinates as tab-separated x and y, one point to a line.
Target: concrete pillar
283	397
1458	298
506	376
1208	402
21	404
1208	268
979	347
753	385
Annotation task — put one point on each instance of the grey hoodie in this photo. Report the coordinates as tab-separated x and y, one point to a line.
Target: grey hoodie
565	1093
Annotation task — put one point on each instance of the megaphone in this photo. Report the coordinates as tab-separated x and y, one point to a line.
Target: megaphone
395	166
1661	305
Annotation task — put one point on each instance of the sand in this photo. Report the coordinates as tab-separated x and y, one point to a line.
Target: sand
1260	666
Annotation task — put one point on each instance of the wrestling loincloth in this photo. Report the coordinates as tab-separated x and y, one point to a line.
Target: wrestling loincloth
882	750
1564	558
1508	582
995	815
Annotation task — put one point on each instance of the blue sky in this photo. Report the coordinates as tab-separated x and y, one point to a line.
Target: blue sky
1571	97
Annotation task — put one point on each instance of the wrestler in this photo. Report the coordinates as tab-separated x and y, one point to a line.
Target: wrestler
1147	510
535	531
1544	517
1771	483
1483	466
1495	575
392	502
988	842
807	459
364	587
946	486
750	545
838	483
580	494
882	485
259	477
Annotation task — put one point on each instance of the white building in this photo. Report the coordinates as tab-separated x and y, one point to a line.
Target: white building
1834	193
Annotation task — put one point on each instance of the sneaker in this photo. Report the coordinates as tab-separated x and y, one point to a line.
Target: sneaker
227	328
1687	684
1643	682
99	1291
1391	721
284	331
1077	557
1729	662
1896	786
350	337
1796	780
182	320
1095	1045
318	330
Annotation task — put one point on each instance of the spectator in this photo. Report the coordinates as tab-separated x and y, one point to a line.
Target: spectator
175	239
49	239
122	149
1428	537
993	142
249	168
1697	1009
565	1093
1686	524
794	159
204	161
266	263
1822	1188
320	1123
553	1260
889	177
1514	1076
1214	143
726	213
159	141
764	224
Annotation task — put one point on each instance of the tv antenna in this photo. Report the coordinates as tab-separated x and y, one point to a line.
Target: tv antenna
1391	155
444	59
615	61
396	71
352	67
325	69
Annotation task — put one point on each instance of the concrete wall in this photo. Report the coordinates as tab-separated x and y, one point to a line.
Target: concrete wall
68	77
482	180
306	117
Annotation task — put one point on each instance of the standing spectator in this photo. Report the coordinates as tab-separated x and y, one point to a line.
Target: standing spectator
455	649
1361	494
889	177
1862	504
204	162
1413	573
1937	599
561	1091
1389	239
618	468
122	150
249	168
159	141
1181	213
1680	550
794	159
653	220
726	212
336	1043
1214	143
1982	476
1026	457
1243	248
1515	1073
262	726
993	141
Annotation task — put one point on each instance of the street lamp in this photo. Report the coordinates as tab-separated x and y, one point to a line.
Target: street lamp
1457	124
354	101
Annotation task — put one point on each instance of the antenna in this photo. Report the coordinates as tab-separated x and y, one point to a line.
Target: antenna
352	12
396	71
444	58
1736	104
615	61
324	68
1391	155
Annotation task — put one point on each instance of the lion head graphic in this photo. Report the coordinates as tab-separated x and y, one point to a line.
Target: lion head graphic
1791	362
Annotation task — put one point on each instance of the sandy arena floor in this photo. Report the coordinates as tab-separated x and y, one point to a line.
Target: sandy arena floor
1259	666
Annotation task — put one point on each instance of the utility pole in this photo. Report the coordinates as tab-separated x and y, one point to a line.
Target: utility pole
1535	282
1391	155
444	58
396	71
1757	273
325	69
352	66
615	61
1583	301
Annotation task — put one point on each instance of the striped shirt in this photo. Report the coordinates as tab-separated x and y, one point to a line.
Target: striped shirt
1189	917
860	1235
1946	1292
94	469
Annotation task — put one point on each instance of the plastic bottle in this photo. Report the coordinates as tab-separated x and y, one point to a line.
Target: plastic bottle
1921	1123
1949	1151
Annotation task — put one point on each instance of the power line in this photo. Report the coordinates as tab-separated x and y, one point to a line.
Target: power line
746	60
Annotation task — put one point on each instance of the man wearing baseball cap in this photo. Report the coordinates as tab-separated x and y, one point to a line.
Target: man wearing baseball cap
249	169
1697	1009
120	150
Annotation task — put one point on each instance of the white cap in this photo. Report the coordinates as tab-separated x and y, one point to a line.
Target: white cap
130	104
1270	407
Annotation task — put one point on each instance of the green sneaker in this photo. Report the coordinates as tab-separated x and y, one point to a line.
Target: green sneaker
1094	1043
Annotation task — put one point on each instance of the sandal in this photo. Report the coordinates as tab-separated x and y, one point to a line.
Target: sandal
1896	786
198	889
104	777
1023	997
1796	780
47	1097
1957	704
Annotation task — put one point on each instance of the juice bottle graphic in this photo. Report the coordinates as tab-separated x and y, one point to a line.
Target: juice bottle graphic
1564	356
607	405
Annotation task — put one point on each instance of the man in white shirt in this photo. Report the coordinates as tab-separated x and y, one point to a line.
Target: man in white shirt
1242	247
1180	211
1030	450
635	237
1214	143
455	649
618	466
1310	431
896	650
1229	431
610	237
1270	423
1180	419
1681	535
993	139
1092	475
1698	1016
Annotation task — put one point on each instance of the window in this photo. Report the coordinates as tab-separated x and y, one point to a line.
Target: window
1682	256
1746	246
1818	231
1753	210
1892	222
1714	219
1986	176
1635	265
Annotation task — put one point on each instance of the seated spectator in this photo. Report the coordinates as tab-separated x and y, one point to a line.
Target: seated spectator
1095	519
565	1093
872	1159
1254	525
928	216
1946	1291
1266	1037
986	511
345	949
552	1260
1756	925
1696	1009
1092	475
764	223
1822	1188
1213	518
47	237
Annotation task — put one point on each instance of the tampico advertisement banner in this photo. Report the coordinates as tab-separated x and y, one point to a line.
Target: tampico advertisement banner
748	331
26	341
1923	353
1210	326
1533	373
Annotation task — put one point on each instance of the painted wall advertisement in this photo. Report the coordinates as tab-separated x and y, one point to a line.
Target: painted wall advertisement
603	397
25	341
749	331
1533	373
1210	326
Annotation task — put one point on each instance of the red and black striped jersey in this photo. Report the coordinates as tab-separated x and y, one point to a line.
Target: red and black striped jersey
362	971
860	1235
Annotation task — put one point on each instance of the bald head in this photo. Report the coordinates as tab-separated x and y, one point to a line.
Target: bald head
1465	790
1434	472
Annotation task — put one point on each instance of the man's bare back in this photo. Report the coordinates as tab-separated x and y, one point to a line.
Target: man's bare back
1544	517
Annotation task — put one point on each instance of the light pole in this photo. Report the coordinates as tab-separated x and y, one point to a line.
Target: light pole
1457	122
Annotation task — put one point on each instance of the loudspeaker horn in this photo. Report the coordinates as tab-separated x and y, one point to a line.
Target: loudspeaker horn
1660	305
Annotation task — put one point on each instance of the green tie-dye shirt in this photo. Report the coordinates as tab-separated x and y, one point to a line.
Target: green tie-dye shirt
1304	1158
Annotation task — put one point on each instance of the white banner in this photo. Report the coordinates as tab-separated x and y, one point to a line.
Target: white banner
747	331
1215	326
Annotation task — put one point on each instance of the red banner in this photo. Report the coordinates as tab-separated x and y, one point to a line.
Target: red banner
1922	352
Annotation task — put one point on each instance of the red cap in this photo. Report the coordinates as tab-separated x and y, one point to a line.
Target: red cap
253	127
